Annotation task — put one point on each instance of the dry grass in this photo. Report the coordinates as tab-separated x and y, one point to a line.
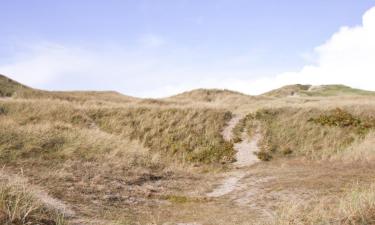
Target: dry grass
9	87
118	158
20	207
322	90
187	134
108	159
360	151
304	131
355	207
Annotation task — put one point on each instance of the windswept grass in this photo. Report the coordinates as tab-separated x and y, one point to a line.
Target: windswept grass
316	91
309	132
19	207
355	207
112	157
188	134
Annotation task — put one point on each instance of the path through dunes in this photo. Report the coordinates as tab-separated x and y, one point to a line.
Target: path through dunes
245	157
101	158
230	189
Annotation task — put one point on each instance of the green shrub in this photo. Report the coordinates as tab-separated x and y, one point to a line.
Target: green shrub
344	119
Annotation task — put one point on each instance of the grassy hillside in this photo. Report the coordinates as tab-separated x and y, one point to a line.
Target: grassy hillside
116	159
309	132
9	87
321	90
218	97
208	95
77	96
189	134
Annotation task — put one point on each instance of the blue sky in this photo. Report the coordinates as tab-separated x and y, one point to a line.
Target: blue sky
154	48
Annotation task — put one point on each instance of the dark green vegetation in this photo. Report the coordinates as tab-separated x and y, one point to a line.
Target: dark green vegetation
341	118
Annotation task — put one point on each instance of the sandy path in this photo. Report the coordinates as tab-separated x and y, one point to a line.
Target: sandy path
228	130
244	157
246	150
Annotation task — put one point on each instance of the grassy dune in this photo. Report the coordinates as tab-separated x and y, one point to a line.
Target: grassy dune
310	132
314	91
187	133
117	158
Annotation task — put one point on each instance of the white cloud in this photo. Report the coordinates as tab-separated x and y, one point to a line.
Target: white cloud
348	57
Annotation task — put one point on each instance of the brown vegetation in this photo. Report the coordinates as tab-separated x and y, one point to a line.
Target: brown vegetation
116	159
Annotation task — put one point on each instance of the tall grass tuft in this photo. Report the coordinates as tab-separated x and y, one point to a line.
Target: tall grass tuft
19	207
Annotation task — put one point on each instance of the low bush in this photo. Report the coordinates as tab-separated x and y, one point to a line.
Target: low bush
344	119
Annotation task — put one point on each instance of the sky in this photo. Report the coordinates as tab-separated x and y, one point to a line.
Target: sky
157	48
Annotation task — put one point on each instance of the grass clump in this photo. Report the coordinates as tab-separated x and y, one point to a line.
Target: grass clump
264	156
179	199
19	207
355	207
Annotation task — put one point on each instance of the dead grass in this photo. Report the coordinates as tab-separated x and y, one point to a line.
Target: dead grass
300	132
187	134
19	207
109	159
322	90
355	207
9	87
139	161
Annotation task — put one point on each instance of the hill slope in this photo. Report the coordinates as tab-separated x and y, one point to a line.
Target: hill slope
9	87
217	97
113	159
321	90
